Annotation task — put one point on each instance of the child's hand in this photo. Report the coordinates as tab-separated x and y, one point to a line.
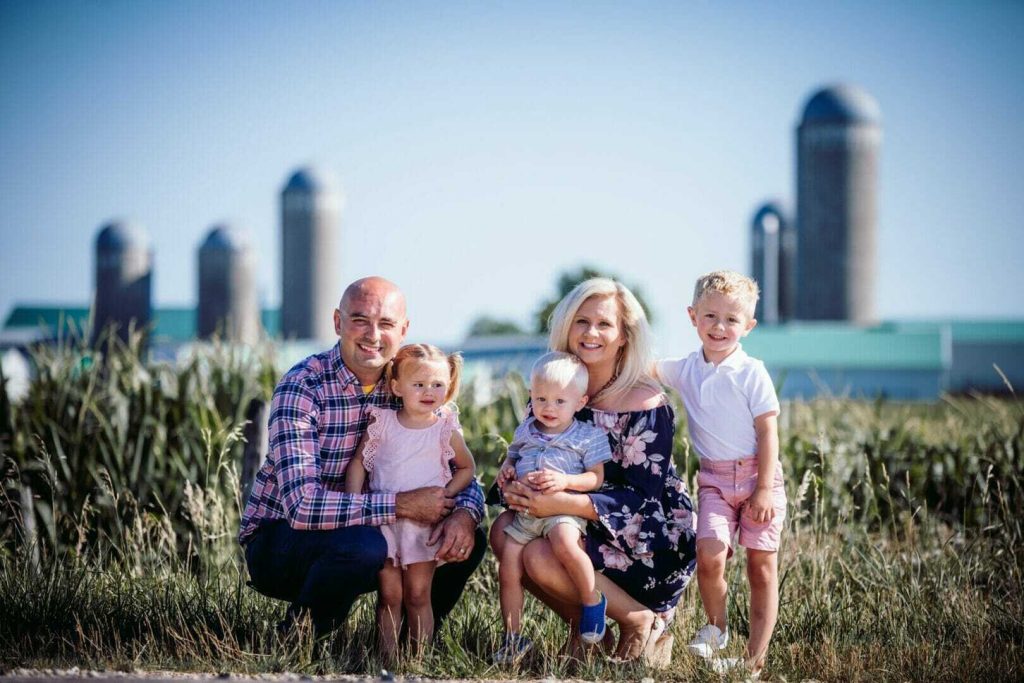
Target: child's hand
759	506
505	475
548	481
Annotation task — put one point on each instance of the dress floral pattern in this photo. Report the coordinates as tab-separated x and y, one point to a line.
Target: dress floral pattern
644	539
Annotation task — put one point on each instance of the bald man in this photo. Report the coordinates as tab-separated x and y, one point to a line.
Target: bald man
306	540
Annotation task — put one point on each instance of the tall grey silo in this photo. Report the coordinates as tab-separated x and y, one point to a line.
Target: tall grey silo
124	279
227	287
310	207
773	247
838	142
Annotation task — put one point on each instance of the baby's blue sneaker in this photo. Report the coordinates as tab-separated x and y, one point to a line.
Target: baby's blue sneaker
592	622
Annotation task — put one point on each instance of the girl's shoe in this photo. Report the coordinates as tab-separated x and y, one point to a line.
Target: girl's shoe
709	640
592	622
513	649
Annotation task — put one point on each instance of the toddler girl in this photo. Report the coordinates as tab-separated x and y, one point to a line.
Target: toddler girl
418	445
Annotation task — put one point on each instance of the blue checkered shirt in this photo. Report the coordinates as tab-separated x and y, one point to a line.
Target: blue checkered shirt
317	417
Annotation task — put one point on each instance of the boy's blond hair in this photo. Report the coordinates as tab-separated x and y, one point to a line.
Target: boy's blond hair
561	369
731	284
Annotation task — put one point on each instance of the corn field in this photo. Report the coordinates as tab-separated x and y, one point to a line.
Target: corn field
901	558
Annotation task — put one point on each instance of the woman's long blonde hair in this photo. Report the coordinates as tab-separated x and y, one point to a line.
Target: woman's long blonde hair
634	365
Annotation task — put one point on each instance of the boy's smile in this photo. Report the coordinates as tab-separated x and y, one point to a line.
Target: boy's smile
721	321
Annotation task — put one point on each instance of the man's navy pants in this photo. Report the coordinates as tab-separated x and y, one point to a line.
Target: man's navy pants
325	571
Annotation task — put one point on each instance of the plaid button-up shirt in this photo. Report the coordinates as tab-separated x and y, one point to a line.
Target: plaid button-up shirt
317	418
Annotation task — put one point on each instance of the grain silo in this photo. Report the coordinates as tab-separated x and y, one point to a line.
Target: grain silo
310	208
773	246
124	276
227	289
838	142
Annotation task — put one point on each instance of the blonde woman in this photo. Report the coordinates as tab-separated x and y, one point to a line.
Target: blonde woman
640	531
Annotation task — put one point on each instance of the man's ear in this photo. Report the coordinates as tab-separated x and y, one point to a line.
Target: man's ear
337	322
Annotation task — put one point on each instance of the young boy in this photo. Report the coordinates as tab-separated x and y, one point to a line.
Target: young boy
551	452
732	412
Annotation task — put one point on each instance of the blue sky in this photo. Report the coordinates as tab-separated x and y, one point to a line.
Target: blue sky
485	147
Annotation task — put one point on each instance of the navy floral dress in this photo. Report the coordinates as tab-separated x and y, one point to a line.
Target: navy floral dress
644	539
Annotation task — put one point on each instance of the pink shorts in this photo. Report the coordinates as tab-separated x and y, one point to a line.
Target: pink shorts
722	493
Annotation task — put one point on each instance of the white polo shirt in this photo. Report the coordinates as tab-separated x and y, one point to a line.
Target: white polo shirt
721	401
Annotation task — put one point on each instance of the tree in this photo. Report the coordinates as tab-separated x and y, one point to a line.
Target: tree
566	282
486	326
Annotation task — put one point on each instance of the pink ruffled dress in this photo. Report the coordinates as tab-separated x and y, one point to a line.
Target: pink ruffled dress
401	459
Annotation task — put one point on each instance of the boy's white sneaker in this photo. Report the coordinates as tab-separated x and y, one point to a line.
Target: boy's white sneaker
708	641
725	665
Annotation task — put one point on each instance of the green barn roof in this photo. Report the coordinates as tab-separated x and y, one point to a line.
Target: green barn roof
992	331
831	345
170	323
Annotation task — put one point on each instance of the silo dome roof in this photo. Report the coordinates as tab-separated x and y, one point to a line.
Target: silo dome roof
121	234
225	237
771	209
312	179
842	103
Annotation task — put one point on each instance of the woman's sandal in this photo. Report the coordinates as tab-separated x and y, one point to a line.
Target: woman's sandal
657	652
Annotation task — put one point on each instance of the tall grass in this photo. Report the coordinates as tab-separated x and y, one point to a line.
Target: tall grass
107	441
901	558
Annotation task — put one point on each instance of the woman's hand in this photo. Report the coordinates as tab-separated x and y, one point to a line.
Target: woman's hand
518	495
522	498
549	481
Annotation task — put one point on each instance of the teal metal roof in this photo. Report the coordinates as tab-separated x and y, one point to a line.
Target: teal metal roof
830	345
969	330
902	344
174	323
50	317
171	323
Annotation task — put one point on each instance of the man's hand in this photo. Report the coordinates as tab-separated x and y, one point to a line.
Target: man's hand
548	481
454	537
428	504
759	506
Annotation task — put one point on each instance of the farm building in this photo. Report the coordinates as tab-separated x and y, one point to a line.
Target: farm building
917	360
910	360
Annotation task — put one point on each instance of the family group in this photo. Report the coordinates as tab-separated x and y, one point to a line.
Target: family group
369	485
